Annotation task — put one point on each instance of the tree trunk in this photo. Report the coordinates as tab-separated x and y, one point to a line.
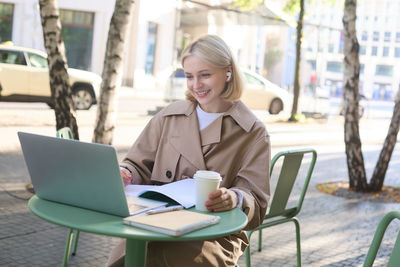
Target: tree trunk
296	89
59	80
112	72
382	164
355	161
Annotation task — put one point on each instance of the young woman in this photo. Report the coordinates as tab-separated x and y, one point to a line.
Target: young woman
211	130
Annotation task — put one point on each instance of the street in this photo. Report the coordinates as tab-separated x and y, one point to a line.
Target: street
133	113
335	231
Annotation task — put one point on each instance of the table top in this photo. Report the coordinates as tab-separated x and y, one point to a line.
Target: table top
101	223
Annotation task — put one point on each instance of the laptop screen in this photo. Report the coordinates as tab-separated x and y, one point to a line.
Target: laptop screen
80	174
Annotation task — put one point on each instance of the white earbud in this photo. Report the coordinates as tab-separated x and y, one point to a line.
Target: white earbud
228	75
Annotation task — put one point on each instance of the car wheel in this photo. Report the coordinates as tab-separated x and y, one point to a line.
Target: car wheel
82	98
276	106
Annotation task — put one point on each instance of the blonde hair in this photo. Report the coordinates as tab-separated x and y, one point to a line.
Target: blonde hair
213	50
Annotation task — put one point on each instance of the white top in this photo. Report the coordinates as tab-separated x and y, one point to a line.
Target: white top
205	118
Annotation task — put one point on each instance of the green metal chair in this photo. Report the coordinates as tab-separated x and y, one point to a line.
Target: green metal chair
72	233
278	212
394	259
65	133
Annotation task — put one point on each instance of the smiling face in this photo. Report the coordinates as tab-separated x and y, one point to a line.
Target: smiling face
206	83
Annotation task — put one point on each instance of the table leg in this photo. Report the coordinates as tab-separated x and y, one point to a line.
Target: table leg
136	251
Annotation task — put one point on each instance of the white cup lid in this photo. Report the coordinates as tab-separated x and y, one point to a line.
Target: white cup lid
202	174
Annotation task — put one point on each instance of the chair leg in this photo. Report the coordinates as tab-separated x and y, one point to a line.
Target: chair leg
75	244
68	247
247	252
297	224
259	240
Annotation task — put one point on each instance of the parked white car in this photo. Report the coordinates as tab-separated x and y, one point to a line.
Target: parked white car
262	94
24	77
259	93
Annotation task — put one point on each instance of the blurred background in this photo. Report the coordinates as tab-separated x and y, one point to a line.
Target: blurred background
263	41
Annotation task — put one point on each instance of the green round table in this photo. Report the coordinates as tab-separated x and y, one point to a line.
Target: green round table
136	239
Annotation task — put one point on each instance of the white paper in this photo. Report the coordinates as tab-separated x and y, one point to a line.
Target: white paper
182	191
136	189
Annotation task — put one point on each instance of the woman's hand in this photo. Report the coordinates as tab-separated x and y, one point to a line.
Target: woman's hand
126	176
222	199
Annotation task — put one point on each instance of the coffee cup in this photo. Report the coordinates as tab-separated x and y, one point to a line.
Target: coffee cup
206	182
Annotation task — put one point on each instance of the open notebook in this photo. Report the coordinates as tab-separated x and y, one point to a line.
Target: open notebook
181	192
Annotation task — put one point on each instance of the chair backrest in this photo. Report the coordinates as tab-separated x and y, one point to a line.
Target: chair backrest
65	133
292	161
394	259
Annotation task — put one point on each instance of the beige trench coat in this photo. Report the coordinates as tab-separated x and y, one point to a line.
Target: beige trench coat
172	148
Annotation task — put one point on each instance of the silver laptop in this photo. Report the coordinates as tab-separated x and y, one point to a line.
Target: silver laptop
85	175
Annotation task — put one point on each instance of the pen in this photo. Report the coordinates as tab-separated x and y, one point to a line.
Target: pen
166	209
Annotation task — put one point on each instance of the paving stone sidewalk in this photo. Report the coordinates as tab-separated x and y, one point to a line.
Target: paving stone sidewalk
335	231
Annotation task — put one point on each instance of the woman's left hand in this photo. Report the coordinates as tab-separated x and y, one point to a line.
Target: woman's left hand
222	199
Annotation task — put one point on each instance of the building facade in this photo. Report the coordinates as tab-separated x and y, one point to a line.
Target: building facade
149	48
261	41
378	33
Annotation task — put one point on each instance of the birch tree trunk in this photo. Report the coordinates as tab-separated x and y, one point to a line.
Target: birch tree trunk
296	89
382	164
59	80
112	72
355	161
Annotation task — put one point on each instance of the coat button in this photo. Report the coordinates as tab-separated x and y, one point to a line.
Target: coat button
168	174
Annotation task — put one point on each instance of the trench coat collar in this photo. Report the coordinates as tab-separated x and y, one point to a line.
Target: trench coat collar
184	107
211	134
242	115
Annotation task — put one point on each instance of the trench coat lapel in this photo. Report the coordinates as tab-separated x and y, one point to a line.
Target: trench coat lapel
186	140
238	112
212	133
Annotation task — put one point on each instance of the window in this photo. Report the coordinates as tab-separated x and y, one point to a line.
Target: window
331	48
6	18
374	51
397	37
385	51
340	50
334	66
387	36
179	73
397	51
388	6
151	47
37	60
253	80
375	36
364	36
77	31
384	70
12	57
362	68
382	91
312	64
363	50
